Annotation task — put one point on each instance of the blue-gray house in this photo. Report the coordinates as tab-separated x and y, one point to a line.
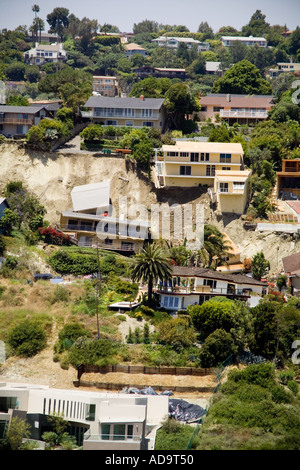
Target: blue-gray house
3	206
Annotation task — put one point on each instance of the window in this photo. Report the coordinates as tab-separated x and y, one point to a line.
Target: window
194	157
203	109
210	282
172	154
225	157
90	412
184	154
217	109
119	432
210	170
185	170
146	112
204	157
129	124
171	302
226	168
111	123
108	241
105	431
223	187
148	124
238	185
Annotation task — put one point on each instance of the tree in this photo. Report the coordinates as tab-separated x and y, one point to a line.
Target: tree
9	221
150	265
215	247
146	26
211	315
217	347
206	30
16	432
179	102
242	78
58	20
294	42
259	265
257	25
176	332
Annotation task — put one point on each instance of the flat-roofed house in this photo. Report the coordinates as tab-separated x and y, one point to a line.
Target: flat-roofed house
91	221
173	43
105	85
232	190
98	421
188	164
133	112
192	286
231	108
15	121
288	179
227	41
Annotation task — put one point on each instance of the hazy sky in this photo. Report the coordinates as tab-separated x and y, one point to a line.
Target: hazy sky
124	13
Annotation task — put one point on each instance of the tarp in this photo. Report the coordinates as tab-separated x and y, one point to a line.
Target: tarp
184	411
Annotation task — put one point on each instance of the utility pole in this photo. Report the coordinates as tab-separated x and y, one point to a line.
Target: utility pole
98	292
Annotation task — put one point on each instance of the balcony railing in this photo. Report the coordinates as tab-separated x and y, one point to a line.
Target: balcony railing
201	290
111	437
232	191
28	122
243	114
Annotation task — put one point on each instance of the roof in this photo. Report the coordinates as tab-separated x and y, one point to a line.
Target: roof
91	196
295	205
237	101
103	218
164	69
212	66
21	109
210	147
291	264
179	39
3	199
186	271
133	47
232	175
243	38
116	102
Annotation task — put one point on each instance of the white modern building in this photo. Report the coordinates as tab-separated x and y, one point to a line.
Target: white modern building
173	43
99	421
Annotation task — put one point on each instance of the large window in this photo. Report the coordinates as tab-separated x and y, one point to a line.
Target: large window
223	187
171	302
194	157
185	170
225	157
90	412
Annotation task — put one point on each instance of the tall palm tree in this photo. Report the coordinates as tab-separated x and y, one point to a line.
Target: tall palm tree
151	264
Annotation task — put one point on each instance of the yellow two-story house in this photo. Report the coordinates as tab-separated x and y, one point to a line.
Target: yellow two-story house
217	165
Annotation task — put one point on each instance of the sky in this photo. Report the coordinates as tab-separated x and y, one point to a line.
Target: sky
124	13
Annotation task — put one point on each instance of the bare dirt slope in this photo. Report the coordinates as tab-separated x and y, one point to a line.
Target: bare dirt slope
52	176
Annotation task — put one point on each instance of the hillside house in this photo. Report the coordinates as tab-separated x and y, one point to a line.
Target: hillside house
193	286
284	67
291	268
105	85
158	72
131	49
227	41
232	190
44	53
133	112
232	261
231	108
15	121
3	205
173	43
91	221
288	179
99	421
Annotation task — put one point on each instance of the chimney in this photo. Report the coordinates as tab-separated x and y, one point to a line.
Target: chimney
228	97
142	98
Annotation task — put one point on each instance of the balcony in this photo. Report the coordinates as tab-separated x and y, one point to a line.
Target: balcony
243	114
28	122
201	290
111	442
233	191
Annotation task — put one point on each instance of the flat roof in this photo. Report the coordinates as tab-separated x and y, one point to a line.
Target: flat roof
228	175
116	102
213	147
91	196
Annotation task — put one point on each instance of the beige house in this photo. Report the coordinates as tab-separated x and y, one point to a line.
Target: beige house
132	49
106	86
232	190
131	112
232	262
91	223
231	108
288	179
187	164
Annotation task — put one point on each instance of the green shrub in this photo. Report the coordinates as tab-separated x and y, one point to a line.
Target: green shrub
98	352
293	386
68	335
27	339
65	262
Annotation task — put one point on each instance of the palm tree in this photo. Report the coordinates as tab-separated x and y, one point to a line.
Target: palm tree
151	264
215	247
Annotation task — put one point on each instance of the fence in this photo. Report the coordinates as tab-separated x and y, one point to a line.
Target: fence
219	371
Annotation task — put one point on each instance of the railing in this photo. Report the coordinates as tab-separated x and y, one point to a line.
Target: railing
29	122
201	290
111	437
244	114
79	228
233	191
